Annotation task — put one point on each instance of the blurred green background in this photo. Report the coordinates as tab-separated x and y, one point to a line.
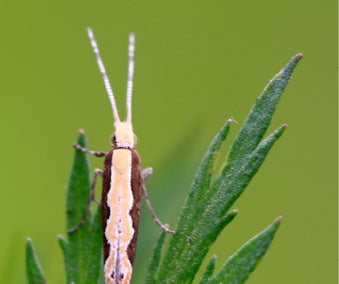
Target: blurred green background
197	64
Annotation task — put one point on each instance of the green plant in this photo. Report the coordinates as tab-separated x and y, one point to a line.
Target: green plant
203	217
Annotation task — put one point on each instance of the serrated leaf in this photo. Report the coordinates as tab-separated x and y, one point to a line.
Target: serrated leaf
206	277
33	268
83	250
238	267
204	211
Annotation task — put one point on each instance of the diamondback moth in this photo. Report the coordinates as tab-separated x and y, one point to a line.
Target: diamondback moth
123	185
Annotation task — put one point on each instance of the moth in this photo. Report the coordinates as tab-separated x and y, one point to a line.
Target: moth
123	185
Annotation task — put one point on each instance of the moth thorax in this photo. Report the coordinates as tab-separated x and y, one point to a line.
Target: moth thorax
124	136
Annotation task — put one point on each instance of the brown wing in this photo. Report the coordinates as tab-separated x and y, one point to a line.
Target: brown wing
136	186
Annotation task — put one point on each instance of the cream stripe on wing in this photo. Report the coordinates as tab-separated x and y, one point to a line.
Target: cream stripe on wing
119	229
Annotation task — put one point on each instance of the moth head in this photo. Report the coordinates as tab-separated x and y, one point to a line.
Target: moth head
123	135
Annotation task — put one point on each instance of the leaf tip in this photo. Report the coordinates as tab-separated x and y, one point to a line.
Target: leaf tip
62	241
299	55
279	219
285	125
231	120
81	131
28	239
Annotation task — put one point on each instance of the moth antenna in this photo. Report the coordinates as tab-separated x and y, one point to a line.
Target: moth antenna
131	49
104	74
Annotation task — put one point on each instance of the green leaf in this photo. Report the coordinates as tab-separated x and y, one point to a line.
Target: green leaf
194	250
202	180
260	115
33	268
63	244
101	279
79	185
206	277
238	267
83	250
227	188
191	211
204	214
151	276
203	176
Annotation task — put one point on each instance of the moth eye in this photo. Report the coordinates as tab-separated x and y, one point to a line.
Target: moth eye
112	139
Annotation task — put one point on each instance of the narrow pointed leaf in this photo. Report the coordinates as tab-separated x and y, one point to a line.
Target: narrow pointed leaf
209	270
229	187
151	276
94	251
202	179
261	114
82	252
78	185
63	244
33	268
238	267
223	221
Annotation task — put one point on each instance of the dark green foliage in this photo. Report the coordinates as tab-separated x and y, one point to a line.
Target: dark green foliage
204	214
33	268
202	217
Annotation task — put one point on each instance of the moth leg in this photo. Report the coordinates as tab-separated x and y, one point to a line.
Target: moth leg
145	174
91	199
92	190
95	153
